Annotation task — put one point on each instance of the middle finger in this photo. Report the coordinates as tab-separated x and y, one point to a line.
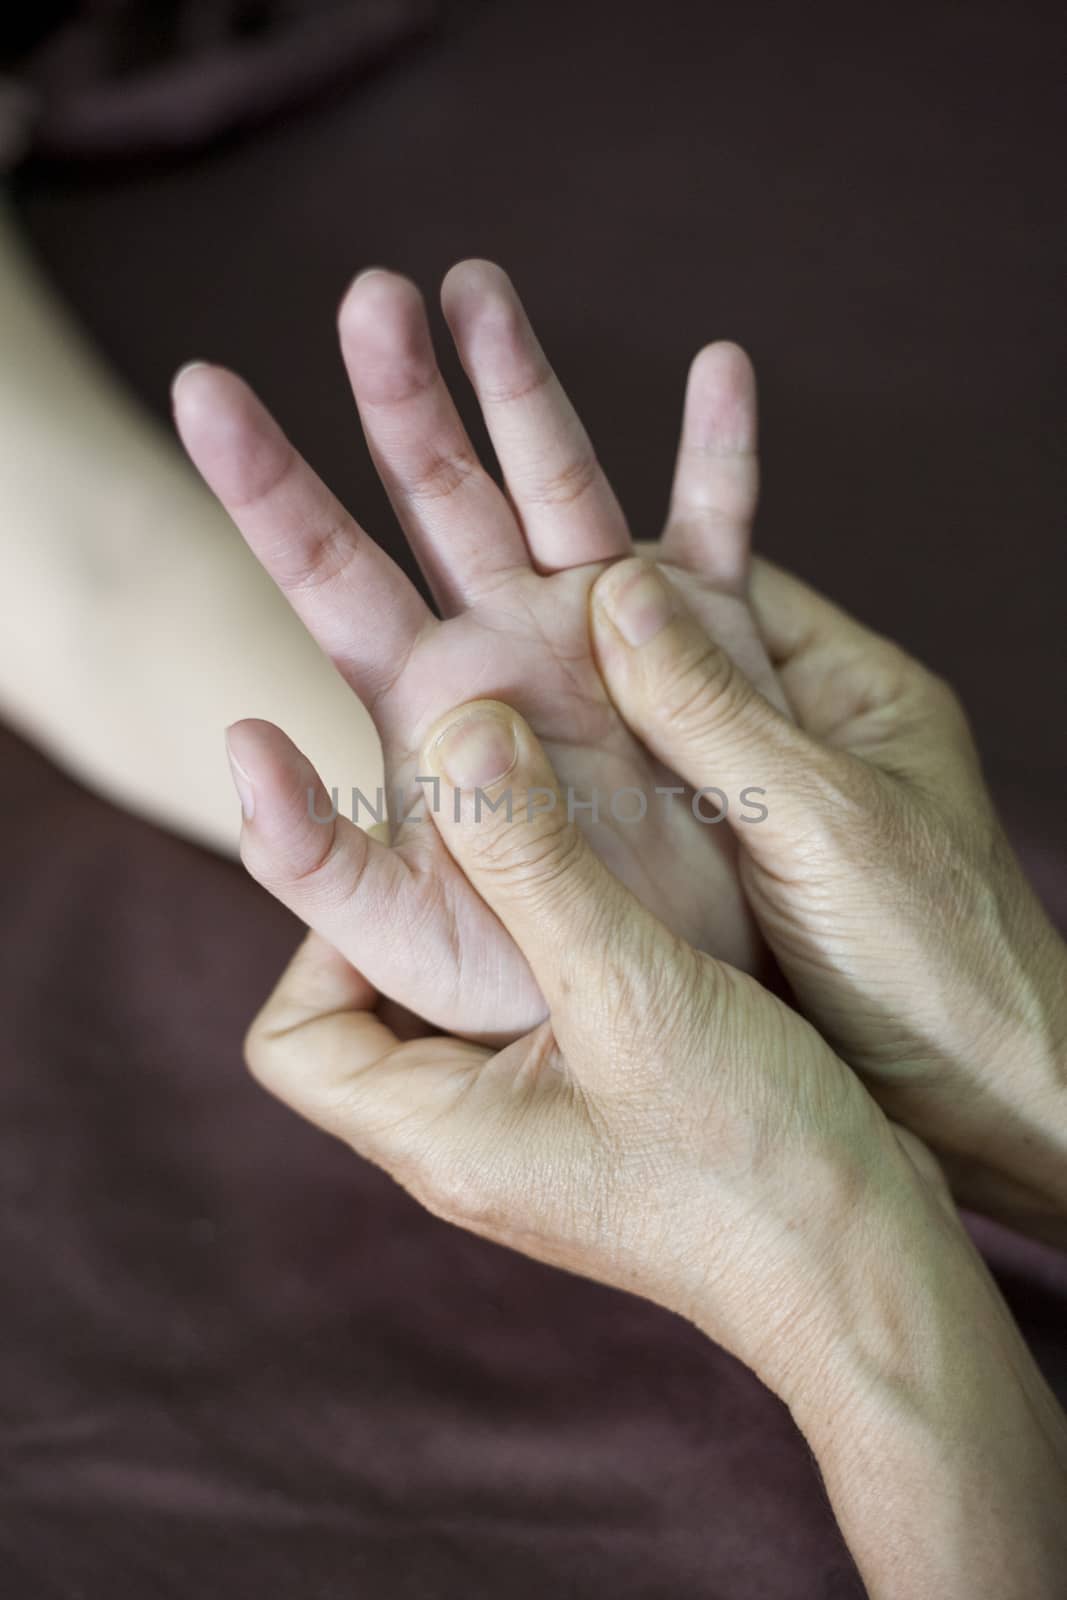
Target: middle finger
459	524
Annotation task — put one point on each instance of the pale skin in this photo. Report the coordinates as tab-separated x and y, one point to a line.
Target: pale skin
513	581
115	552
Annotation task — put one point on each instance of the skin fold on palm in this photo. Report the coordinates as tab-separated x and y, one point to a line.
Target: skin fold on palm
512	575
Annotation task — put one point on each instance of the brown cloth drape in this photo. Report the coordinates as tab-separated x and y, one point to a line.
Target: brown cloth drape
125	79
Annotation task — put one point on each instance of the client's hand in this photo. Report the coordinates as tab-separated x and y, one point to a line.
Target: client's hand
880	876
673	1129
513	577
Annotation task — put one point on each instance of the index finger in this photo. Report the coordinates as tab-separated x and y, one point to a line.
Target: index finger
354	601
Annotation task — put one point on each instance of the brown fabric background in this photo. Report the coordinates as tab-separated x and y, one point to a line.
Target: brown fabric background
235	1360
98	80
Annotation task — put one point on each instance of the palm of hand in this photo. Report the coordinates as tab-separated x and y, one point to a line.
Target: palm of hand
529	645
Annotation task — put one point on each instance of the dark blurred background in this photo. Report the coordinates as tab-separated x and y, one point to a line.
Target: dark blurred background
869	198
323	1392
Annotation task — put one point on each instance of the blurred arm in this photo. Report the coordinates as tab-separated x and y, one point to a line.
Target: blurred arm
135	623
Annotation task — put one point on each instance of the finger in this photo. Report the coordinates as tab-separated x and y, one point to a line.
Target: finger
828	662
351	889
716	478
793	618
320	1046
355	602
471	1134
856	688
456	519
513	832
689	704
568	509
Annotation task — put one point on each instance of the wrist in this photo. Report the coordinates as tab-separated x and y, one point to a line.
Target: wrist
815	1295
941	1448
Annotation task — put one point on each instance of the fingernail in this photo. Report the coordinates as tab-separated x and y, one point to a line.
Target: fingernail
368	272
190	366
477	751
642	608
242	783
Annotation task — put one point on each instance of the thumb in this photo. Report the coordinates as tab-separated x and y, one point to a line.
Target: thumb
688	703
511	829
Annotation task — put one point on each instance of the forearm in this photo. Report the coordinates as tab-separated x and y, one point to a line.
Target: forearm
942	1450
137	623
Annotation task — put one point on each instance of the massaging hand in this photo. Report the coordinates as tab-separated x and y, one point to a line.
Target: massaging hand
880	877
670	1124
673	1129
512	576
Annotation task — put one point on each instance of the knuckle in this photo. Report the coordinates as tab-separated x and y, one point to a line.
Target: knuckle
858	807
460	1192
648	987
285	1056
323	558
439	476
528	372
264	486
520	388
535	859
565	484
258	1049
320	868
945	705
266	1052
931	742
695	689
847	810
406	382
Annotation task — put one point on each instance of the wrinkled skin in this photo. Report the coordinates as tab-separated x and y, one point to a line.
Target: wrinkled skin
881	879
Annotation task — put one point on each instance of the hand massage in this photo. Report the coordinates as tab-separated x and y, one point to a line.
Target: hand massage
591	1072
662	998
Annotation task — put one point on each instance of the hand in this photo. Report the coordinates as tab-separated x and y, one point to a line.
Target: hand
513	579
673	1129
880	875
668	1128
